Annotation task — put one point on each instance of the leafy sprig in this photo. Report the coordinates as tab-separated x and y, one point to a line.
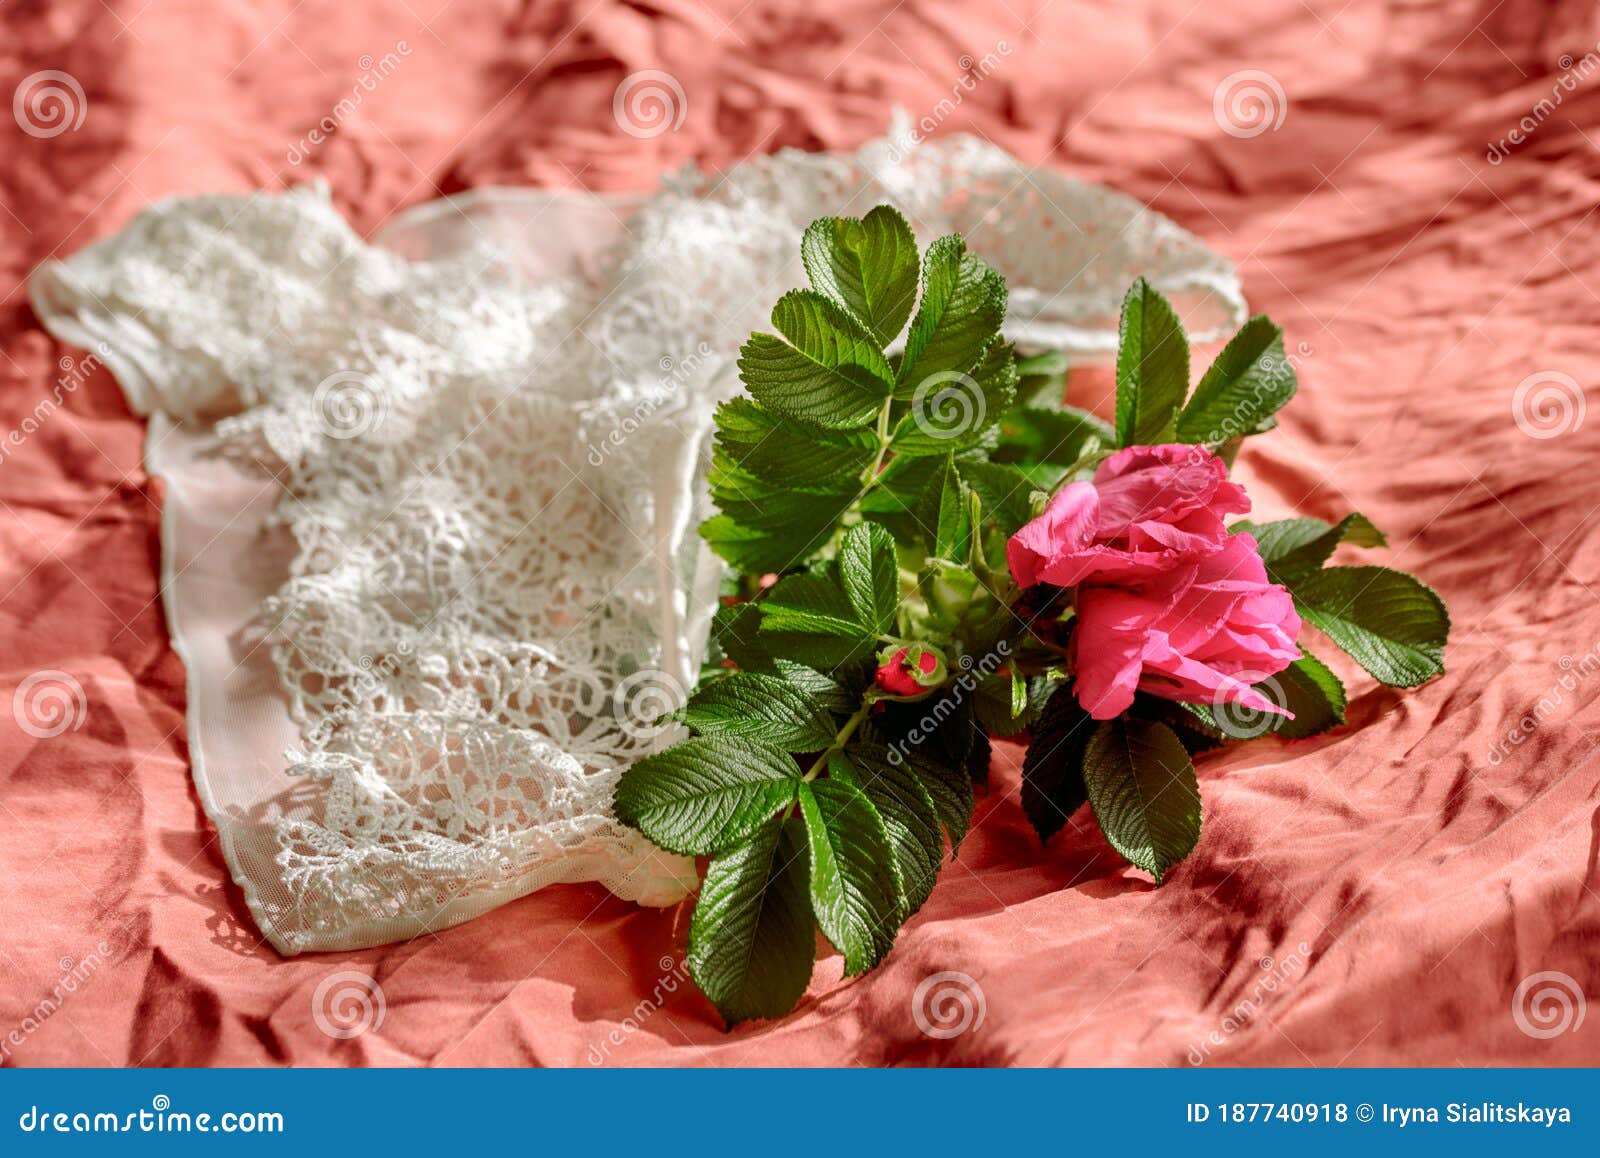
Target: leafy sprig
1389	622
838	428
889	444
784	780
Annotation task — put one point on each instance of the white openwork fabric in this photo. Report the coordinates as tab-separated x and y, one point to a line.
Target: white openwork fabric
429	542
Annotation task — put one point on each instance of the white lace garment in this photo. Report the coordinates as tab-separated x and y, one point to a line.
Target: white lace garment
429	542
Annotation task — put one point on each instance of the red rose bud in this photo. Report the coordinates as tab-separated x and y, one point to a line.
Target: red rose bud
910	672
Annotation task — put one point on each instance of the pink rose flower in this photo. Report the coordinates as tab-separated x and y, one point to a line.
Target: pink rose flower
910	672
1149	509
1186	634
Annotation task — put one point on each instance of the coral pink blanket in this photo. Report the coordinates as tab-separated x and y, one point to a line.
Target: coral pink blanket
1375	896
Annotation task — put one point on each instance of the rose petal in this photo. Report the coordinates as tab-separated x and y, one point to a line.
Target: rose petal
1066	525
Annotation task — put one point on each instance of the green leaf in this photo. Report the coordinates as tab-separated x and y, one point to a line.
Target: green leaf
893	502
761	707
750	549
1312	692
1030	435
909	816
1042	380
949	786
870	573
1194	724
995	703
733	634
853	891
1248	383
808	618
1144	792
963	304
867	265
825	691
829	337
935	738
768	526
780	450
831	375
1292	548
825	652
1307	688
1390	623
813	603
1045	364
706	794
752	938
943	516
1052	770
954	411
784	379
979	758
1152	367
756	550
1004	490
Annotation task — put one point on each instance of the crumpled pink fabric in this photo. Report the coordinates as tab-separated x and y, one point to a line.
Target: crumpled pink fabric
1404	890
1148	510
1202	631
